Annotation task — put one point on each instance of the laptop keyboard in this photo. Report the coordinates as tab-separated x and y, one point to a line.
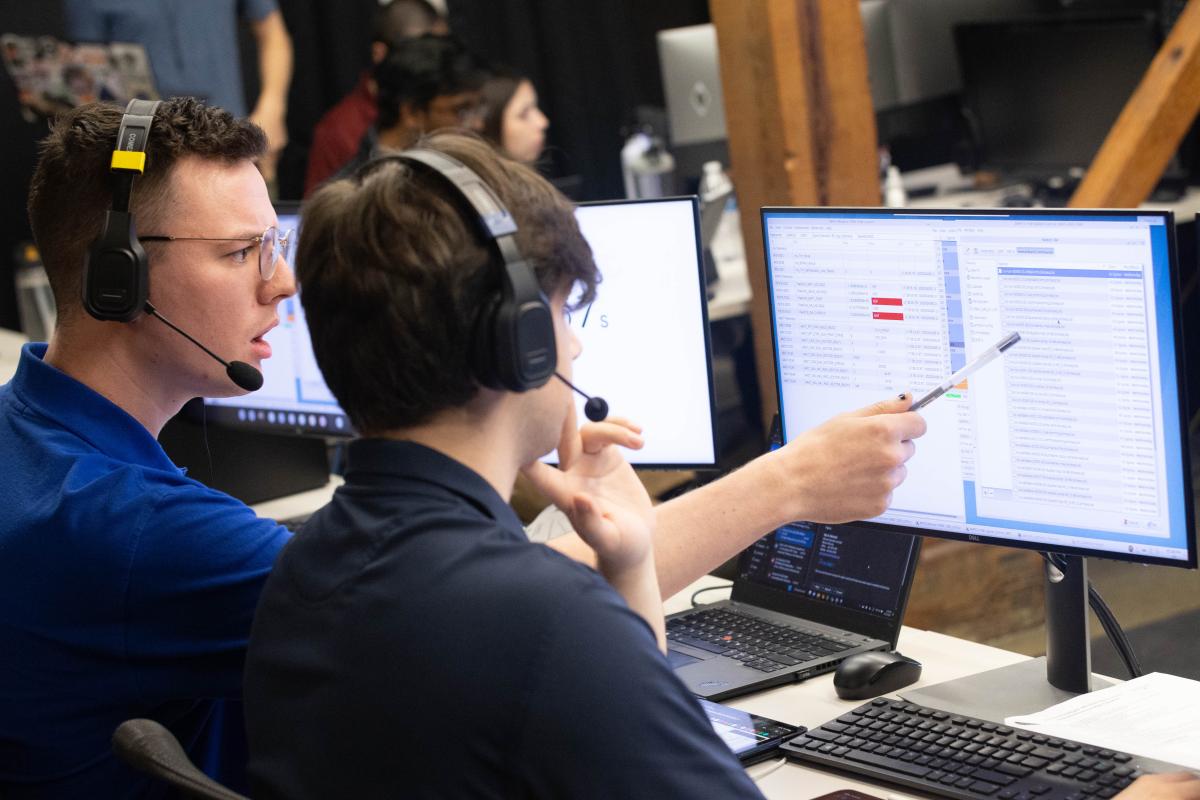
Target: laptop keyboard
961	757
758	644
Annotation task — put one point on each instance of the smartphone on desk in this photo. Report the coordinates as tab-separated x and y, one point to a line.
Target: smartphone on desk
751	738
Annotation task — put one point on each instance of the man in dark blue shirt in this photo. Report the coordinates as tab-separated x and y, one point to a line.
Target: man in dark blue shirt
413	642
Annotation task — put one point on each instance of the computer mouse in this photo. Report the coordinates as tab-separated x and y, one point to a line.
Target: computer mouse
866	675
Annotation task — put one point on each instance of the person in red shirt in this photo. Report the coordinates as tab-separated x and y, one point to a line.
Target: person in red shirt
338	134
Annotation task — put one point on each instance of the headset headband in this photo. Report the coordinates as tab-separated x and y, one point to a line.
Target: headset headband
518	349
116	277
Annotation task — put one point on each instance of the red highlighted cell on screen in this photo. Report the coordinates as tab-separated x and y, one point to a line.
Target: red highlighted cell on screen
894	315
887	301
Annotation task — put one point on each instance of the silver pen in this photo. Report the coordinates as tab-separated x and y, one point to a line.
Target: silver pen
985	357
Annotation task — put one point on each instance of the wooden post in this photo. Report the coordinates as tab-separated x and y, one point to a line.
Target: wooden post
800	124
1152	124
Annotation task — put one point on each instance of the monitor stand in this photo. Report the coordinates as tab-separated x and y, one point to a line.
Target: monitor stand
1039	683
251	466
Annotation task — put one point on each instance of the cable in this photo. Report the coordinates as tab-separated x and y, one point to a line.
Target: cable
759	771
699	592
1108	621
1115	633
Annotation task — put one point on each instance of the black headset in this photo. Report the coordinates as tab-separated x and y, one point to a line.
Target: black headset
116	276
515	346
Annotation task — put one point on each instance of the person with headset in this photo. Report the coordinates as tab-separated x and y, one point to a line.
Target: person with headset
126	588
411	641
428	647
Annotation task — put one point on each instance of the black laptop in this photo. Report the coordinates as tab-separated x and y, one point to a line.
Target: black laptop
806	596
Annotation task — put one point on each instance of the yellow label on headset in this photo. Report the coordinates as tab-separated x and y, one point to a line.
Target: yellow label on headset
129	160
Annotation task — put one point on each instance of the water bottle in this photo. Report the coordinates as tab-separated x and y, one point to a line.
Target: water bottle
647	167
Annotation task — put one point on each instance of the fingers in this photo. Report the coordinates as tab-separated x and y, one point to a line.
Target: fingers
569	441
551	482
893	405
595	436
591	525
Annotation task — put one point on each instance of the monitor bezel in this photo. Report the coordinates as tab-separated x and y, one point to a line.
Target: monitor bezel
701	287
1180	366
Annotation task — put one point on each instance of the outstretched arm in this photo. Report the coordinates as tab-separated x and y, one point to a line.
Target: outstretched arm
840	471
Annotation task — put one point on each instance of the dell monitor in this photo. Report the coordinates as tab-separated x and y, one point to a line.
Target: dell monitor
1042	95
1073	443
645	340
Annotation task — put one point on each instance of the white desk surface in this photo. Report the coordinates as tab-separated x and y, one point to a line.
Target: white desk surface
295	505
1185	208
10	352
814	702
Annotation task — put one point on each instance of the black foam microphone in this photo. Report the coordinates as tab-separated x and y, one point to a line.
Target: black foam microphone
595	409
242	374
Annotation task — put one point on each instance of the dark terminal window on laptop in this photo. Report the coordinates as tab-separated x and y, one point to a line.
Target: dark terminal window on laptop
858	570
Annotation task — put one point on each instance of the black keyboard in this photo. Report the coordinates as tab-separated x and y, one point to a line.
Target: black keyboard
762	645
961	757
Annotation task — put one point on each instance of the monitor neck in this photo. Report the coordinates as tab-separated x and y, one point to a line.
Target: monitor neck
1068	646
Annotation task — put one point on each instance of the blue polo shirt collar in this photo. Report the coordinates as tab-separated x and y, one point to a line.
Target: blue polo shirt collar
378	463
90	416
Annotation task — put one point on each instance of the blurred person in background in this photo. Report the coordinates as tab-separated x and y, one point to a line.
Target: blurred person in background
512	120
340	131
193	50
425	84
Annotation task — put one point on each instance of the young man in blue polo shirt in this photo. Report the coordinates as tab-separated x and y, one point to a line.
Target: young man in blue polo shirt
126	588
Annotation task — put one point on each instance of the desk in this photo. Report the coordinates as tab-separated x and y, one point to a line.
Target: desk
295	505
1185	208
10	353
814	702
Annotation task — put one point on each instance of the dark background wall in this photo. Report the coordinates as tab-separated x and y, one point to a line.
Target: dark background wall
593	64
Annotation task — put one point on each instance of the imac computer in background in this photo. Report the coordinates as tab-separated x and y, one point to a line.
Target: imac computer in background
645	343
1073	443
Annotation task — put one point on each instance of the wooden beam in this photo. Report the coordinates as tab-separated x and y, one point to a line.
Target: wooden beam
799	120
1152	124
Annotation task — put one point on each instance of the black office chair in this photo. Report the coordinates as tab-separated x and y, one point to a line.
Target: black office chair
147	746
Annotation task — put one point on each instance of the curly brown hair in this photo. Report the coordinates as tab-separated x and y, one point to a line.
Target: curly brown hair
72	186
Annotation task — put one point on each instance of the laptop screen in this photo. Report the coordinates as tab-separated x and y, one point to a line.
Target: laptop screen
837	565
847	575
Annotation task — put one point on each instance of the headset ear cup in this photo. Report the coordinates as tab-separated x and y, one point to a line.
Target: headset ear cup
483	354
116	275
506	355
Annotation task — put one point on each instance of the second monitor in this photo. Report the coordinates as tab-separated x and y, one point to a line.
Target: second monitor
645	340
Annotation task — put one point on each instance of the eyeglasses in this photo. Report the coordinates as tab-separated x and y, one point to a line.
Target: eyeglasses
272	246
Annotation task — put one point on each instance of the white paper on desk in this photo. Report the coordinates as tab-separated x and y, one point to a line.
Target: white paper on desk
1156	716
